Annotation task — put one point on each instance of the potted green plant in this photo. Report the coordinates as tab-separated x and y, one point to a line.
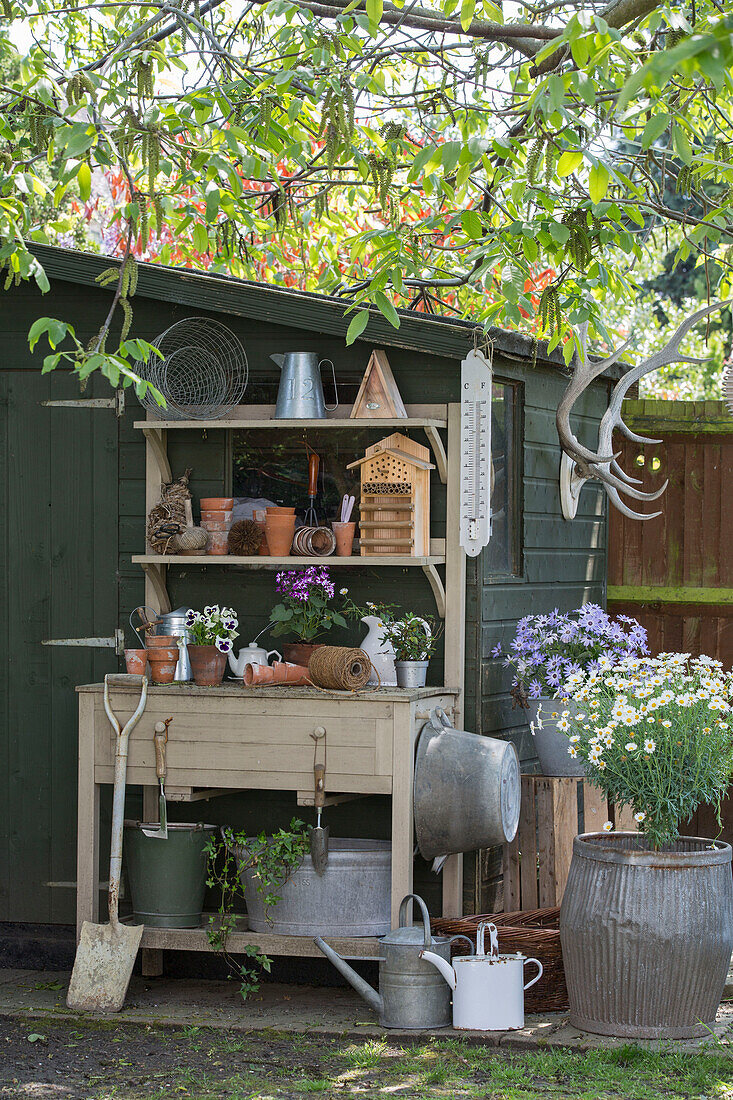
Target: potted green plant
231	856
647	918
414	640
305	610
212	632
545	650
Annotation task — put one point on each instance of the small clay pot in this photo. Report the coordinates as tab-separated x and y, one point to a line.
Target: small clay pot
218	515
163	664
136	661
280	530
216	504
215	525
259	516
344	533
280	672
299	653
207	665
218	543
161	641
276	510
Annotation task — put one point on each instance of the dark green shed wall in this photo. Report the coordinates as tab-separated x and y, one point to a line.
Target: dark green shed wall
562	564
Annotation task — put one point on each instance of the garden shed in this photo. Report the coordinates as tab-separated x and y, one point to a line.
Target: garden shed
73	479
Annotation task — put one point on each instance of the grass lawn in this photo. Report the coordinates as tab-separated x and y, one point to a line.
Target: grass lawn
48	1058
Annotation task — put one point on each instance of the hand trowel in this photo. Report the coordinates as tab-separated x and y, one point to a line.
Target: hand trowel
160	737
319	835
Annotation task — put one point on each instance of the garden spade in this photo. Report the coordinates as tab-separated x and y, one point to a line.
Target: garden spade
160	738
106	953
319	835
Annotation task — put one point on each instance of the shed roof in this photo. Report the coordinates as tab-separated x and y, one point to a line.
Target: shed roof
219	293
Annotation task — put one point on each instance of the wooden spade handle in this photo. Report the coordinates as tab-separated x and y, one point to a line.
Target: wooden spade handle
319	774
313	464
159	740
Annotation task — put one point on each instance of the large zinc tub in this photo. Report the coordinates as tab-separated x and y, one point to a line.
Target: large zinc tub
351	898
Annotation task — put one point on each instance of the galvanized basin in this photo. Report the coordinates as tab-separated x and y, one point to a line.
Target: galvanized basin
351	898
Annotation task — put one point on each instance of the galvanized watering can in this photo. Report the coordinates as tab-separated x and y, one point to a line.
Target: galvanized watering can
467	790
300	395
411	995
488	990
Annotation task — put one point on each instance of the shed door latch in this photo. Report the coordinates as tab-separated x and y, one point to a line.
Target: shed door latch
117	642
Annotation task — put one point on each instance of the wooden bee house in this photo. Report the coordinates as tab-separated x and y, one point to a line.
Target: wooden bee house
395	497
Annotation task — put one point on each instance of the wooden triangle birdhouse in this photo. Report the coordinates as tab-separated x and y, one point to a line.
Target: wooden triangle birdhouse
378	397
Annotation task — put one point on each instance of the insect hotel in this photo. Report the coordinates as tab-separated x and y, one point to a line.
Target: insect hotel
423	477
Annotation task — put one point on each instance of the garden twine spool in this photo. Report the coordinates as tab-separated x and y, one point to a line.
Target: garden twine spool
339	668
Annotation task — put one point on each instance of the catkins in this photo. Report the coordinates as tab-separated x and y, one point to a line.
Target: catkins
143	70
7	9
579	243
550	313
533	158
79	85
320	205
337	118
685	180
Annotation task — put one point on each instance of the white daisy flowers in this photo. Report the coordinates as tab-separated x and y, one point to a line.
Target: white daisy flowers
631	746
649	745
608	826
638	818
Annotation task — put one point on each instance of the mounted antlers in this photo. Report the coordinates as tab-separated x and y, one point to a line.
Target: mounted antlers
601	465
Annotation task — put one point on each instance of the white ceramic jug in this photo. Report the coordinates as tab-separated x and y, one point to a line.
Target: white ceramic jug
488	990
380	653
250	655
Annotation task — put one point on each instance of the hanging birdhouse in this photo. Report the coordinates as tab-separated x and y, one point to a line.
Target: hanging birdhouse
395	497
378	395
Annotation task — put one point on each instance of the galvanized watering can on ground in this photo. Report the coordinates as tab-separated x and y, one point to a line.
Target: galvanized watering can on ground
488	990
300	395
411	995
467	790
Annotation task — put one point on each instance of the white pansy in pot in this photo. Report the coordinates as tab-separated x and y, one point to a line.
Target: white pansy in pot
213	631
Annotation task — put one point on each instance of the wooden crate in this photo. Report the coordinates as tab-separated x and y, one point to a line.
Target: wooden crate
537	862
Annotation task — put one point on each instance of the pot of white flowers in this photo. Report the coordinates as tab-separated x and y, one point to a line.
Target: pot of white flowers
647	918
414	641
546	649
212	633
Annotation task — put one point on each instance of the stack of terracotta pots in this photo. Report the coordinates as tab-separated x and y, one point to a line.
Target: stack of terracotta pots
162	653
279	528
216	518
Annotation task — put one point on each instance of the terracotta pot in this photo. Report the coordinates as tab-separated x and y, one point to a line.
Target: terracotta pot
136	661
280	530
299	653
280	672
344	533
163	664
218	543
161	641
215	524
276	510
259	516
216	504
207	665
223	516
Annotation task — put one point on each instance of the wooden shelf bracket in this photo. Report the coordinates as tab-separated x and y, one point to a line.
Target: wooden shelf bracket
436	584
157	575
154	436
436	445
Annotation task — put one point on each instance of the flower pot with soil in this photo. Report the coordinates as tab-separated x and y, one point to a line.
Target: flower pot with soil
305	610
647	918
413	640
162	664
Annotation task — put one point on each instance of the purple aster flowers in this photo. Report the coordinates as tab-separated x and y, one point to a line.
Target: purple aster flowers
547	649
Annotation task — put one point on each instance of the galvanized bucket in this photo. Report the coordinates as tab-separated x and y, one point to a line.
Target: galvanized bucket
646	936
350	898
551	744
167	877
467	789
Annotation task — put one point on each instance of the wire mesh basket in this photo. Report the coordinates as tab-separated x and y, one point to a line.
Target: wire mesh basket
201	372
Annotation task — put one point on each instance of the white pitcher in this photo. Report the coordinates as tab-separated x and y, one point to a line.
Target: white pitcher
380	653
488	990
250	655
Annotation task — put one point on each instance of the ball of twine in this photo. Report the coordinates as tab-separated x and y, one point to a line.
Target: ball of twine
191	538
339	668
245	537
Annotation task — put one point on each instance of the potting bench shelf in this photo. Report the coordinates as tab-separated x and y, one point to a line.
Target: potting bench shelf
195	939
231	738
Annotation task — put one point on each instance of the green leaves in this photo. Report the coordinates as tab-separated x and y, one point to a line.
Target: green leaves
468	7
598	182
568	162
56	331
374	10
357	325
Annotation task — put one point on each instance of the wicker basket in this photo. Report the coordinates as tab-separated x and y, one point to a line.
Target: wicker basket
534	932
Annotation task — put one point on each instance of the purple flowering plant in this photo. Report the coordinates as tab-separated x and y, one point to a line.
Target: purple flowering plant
305	610
213	626
547	649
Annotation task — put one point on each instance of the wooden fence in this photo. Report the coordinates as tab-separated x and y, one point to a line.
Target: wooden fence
675	573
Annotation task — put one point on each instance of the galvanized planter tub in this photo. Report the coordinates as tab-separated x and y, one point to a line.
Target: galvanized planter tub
551	743
646	936
351	897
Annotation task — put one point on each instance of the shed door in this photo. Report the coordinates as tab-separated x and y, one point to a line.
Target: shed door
58	579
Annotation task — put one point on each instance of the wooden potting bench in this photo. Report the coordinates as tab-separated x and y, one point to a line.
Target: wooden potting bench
229	738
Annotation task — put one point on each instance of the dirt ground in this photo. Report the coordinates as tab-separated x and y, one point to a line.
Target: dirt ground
47	1059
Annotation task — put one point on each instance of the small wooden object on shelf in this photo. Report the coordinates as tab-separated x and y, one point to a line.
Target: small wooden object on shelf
395	497
378	397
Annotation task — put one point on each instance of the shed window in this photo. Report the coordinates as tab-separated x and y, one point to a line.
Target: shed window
502	555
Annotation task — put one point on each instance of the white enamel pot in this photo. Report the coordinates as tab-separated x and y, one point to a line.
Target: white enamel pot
250	655
488	990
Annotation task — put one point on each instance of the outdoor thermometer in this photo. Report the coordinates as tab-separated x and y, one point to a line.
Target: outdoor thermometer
476	376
